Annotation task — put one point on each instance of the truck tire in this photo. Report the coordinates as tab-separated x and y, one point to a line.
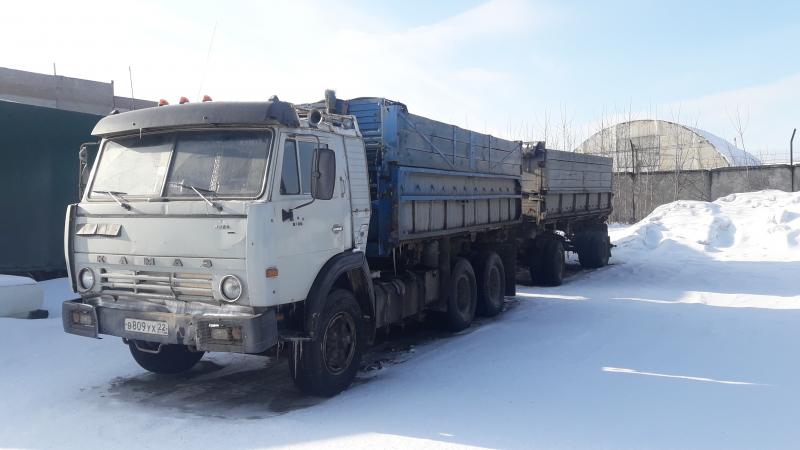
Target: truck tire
547	263
171	359
593	249
463	296
327	366
491	284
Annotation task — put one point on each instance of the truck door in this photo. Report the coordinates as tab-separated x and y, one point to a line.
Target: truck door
307	236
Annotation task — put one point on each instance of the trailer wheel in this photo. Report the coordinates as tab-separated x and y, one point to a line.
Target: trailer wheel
169	359
593	249
327	366
547	264
491	284
463	296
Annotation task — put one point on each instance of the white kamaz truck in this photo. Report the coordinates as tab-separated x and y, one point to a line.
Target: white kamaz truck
239	227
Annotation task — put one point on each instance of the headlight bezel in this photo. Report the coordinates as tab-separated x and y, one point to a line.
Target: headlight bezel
83	286
225	295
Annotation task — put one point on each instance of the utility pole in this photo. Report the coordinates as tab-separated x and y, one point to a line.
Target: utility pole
791	156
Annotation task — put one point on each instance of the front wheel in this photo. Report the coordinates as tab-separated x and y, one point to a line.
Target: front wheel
327	365
165	358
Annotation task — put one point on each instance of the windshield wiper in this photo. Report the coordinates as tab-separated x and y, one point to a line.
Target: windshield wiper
197	191
114	194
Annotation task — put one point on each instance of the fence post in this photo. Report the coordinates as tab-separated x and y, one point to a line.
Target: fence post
791	156
633	180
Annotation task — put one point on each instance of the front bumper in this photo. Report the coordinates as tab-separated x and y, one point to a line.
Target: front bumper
259	332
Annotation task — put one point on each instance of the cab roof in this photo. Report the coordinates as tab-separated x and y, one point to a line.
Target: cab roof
272	111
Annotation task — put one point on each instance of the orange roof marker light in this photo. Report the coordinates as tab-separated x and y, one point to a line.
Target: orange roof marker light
163	102
183	100
206	98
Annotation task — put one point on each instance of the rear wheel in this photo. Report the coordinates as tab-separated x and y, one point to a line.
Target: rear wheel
463	296
164	358
593	249
547	262
491	284
327	366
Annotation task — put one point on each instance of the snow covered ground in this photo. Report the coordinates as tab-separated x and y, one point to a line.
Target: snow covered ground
688	340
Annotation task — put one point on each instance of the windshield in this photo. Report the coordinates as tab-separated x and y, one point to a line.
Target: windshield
220	163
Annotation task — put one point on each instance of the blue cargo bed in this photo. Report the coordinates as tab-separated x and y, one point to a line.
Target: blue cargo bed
431	179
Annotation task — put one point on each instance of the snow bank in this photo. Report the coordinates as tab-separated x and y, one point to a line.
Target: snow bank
19	296
755	225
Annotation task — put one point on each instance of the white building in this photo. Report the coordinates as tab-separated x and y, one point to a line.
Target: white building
659	145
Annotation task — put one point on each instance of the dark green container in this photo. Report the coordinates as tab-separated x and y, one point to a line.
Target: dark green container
39	176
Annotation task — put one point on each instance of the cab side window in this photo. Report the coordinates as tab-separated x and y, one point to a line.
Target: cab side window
290	181
306	153
296	171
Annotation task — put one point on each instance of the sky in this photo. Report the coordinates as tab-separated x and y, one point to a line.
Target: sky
534	70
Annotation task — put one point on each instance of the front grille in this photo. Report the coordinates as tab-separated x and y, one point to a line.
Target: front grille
165	285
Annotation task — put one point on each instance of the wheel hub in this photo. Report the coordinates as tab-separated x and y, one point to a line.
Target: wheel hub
339	343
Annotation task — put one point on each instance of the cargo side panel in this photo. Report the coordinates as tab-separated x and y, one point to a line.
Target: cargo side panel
430	179
576	172
559	185
435	202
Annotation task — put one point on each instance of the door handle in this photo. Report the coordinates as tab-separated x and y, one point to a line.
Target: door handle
337	228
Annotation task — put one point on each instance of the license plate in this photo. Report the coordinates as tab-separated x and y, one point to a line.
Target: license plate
147	327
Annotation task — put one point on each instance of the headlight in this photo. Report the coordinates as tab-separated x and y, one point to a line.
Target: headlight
86	279
231	288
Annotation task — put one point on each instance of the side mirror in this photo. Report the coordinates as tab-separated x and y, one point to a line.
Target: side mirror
323	174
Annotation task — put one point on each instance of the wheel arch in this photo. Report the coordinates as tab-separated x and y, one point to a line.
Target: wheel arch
348	270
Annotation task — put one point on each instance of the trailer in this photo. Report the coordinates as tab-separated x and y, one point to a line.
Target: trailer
566	201
250	227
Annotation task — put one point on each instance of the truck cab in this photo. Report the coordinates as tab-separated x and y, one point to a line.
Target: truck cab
203	223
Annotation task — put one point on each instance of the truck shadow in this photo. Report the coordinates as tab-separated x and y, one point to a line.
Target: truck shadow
221	386
230	386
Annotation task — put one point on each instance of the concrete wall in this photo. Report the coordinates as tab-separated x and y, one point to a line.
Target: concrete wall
636	196
746	179
64	93
796	186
